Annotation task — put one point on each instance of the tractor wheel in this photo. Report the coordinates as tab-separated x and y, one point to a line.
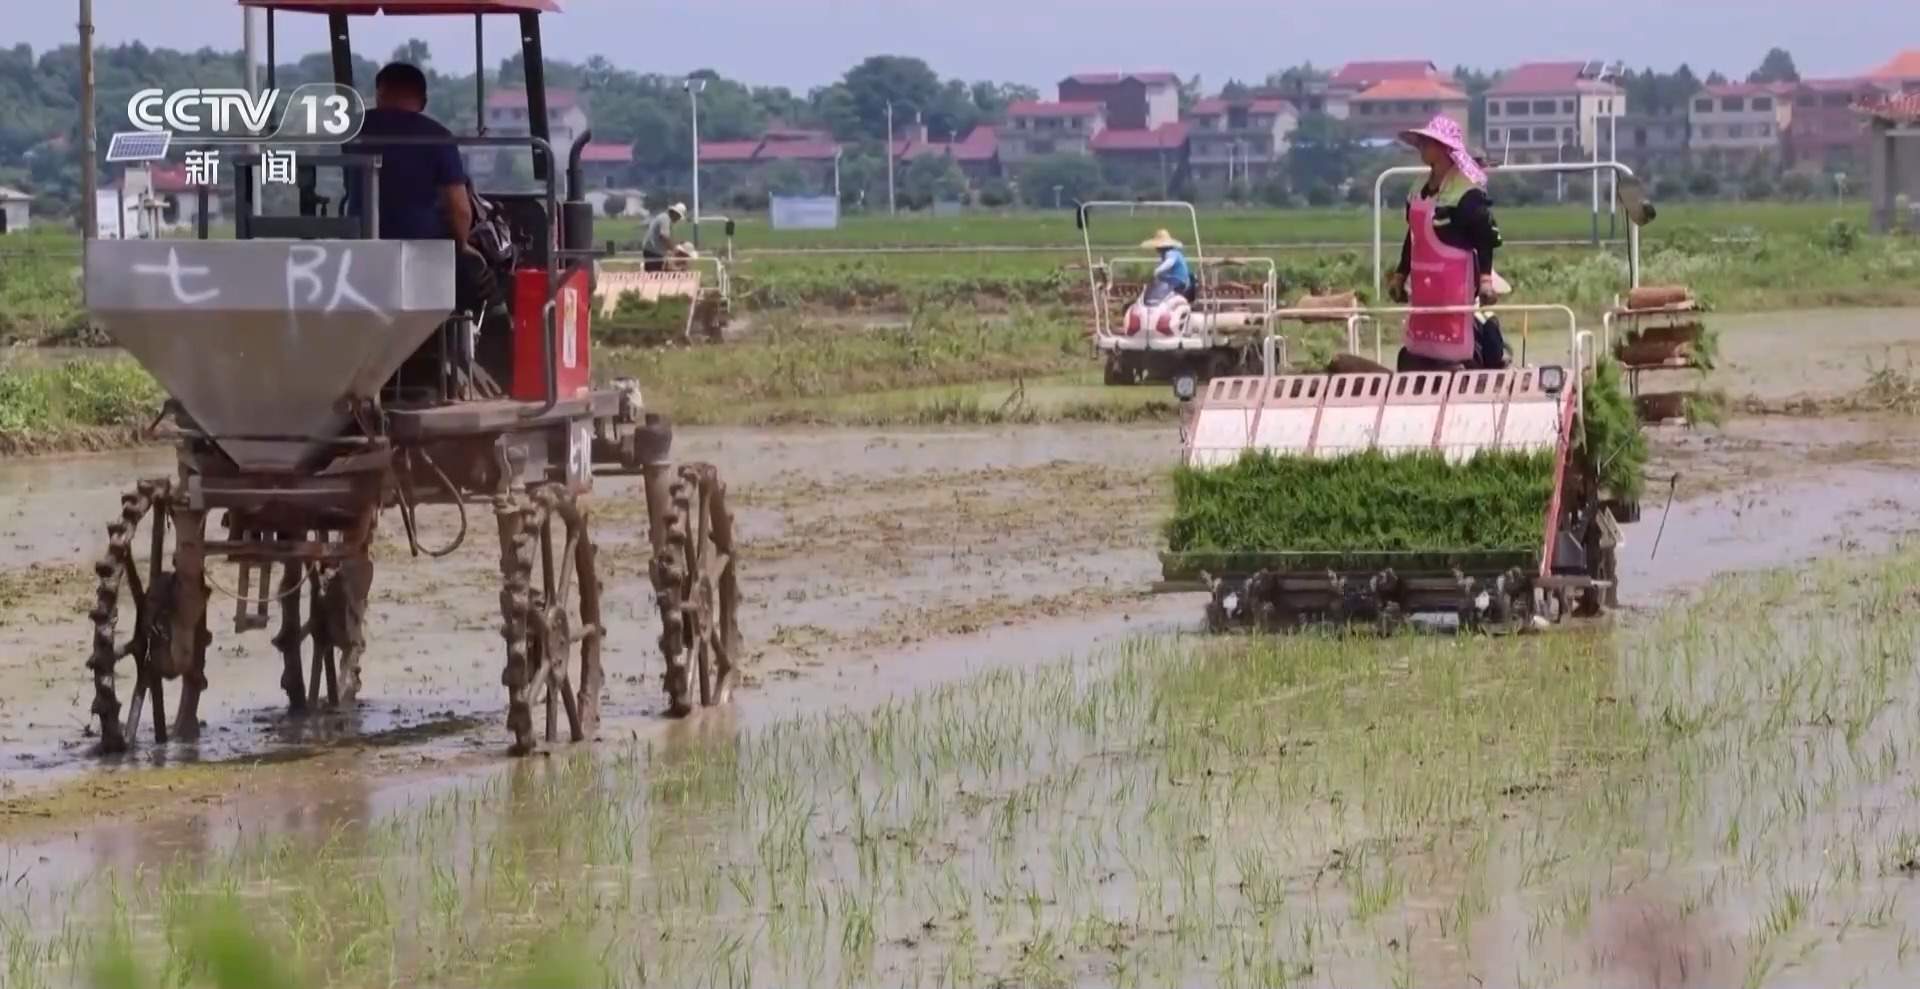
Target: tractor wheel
155	596
696	582
545	530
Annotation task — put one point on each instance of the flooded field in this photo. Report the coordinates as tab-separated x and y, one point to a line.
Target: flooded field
973	750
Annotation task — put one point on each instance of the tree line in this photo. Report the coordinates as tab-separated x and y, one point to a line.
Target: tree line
39	118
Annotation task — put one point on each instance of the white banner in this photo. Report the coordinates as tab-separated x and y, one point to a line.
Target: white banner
805	212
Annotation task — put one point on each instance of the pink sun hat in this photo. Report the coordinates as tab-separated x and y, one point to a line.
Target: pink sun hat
1448	133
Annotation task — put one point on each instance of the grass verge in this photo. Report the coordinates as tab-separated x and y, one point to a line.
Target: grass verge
74	404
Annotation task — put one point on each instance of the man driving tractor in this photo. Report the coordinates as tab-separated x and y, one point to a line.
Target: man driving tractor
1446	260
423	187
659	244
1173	268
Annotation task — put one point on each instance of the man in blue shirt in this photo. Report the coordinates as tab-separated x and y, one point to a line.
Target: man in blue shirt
1173	267
423	187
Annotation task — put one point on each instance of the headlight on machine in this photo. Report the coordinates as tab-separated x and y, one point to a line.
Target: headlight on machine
1553	378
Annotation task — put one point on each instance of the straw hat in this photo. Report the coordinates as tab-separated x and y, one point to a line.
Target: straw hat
1160	241
678	210
1447	132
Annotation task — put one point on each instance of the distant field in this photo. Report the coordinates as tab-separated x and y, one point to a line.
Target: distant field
1228	227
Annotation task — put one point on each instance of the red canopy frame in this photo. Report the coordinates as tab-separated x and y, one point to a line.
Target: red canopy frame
357	8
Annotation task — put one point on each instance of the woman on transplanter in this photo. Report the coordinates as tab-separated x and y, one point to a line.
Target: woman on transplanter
1447	258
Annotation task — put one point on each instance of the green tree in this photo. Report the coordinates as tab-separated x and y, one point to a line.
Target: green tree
1323	153
790	178
863	171
1777	66
835	108
992	99
414	52
931	179
1076	176
907	83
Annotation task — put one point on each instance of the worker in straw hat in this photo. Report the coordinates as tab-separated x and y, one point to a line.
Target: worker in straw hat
1446	261
659	243
1173	267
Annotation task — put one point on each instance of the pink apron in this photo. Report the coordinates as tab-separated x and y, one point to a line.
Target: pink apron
1441	276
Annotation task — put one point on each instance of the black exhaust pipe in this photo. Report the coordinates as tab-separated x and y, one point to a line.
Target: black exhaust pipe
576	214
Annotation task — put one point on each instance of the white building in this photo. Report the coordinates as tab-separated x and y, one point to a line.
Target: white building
15	213
1239	138
1740	123
1035	129
507	116
1546	111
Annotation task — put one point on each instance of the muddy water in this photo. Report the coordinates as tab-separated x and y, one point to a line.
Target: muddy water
864	544
882	564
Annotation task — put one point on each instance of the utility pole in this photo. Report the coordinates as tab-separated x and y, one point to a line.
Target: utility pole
89	176
246	45
892	210
694	87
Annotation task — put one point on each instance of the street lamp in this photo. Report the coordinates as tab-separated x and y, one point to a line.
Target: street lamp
694	88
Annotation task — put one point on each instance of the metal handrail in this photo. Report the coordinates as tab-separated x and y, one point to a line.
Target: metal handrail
1353	313
1084	213
1549	168
1208	303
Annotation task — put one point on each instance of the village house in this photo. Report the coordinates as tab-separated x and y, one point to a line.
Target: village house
1739	125
1355	78
1133	100
1036	129
1551	111
1239	139
1383	110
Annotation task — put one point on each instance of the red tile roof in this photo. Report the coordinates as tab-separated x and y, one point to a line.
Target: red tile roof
1838	85
1905	65
781	132
605	152
1359	75
1899	108
1109	78
1215	106
728	150
1165	137
808	150
171	178
980	145
1750	89
516	99
1546	78
1039	108
1410	89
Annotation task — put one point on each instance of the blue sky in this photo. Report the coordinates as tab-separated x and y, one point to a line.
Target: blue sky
801	43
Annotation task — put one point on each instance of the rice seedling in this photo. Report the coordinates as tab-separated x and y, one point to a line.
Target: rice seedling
1249	812
1271	503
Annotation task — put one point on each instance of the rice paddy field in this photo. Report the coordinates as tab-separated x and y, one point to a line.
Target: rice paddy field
971	746
1684	798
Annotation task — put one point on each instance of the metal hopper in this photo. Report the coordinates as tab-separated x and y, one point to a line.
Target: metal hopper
261	340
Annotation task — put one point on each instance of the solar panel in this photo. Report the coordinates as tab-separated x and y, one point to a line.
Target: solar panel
139	145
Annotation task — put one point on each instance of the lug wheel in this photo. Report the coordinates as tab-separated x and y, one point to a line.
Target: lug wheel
698	590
